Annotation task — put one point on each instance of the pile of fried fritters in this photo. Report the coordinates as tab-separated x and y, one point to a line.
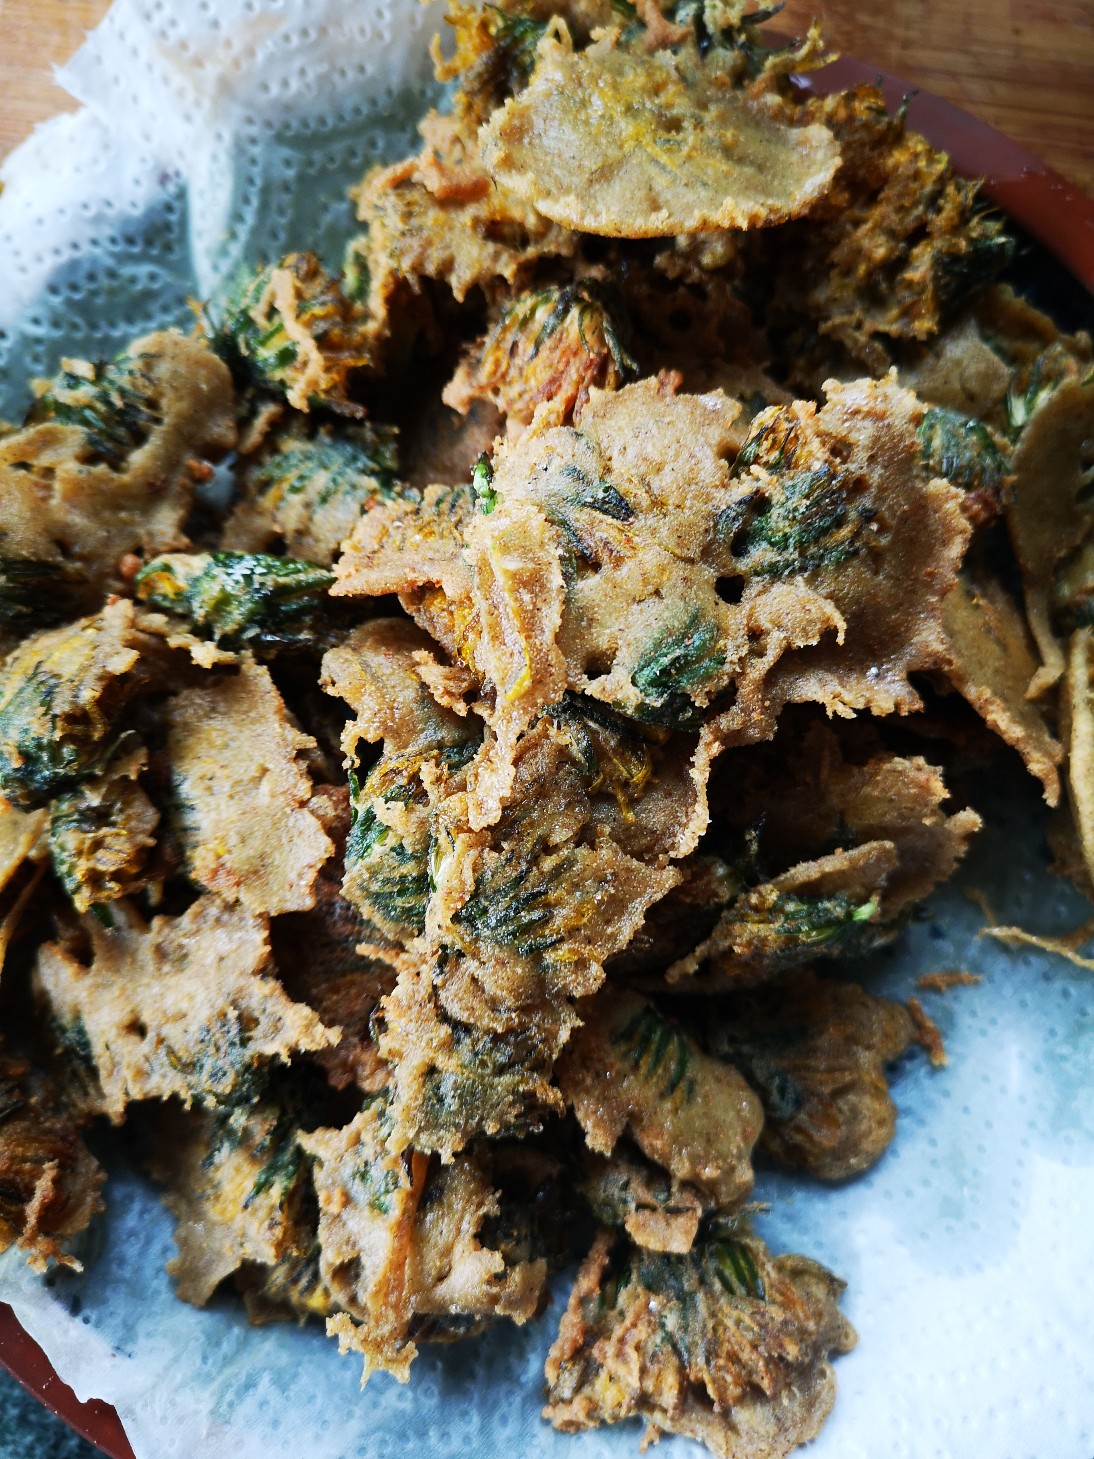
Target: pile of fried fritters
449	708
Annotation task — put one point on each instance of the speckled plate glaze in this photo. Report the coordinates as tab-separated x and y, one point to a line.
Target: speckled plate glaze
1060	217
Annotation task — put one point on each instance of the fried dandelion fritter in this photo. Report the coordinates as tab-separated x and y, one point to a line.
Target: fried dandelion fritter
724	1344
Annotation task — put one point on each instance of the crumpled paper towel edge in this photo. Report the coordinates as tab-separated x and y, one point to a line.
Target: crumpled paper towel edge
182	112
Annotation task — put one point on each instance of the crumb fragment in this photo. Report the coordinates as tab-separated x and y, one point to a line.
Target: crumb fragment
927	1033
943	982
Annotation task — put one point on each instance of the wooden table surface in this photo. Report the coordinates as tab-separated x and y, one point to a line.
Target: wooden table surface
1025	66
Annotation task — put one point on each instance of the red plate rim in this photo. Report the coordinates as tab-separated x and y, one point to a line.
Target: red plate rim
1056	213
27	1363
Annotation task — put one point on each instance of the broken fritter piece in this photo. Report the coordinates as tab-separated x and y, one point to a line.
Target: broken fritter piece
179	1006
239	1188
629	1069
49	1180
816	1052
101	833
726	1344
307	492
1048	513
992	664
241	794
847	790
1078	736
400	1237
628	143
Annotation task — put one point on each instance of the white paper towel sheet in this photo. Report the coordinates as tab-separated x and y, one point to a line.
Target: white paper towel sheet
216	133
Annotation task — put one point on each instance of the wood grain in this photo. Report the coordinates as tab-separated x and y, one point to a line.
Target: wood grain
35	36
1025	66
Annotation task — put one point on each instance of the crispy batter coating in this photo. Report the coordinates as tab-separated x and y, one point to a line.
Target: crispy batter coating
630	1069
388	849
399	1237
544	354
101	833
241	794
812	569
291	330
996	360
20	840
62	693
960	371
844	496
992	664
657	1212
307	492
631	144
238	1186
726	1344
608	586
439	216
495	46
179	1006
376	670
454	1078
827	906
825	841
241	599
815	1051
894	246
109	459
416	551
1078	735
1047	515
49	1180
819	787
646	784
536	904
